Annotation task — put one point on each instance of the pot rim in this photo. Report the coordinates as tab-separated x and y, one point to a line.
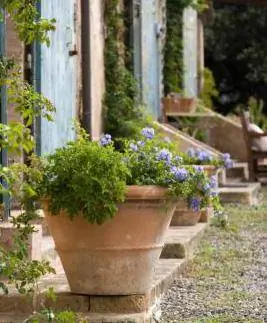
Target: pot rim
144	192
138	192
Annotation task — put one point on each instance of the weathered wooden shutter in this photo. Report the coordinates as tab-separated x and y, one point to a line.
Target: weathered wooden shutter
56	76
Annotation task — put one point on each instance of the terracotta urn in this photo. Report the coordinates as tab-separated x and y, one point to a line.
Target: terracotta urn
183	216
119	256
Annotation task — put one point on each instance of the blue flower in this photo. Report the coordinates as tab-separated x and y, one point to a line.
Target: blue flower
199	169
203	155
140	143
206	187
105	140
133	147
195	204
178	159
164	154
179	173
191	152
213	182
228	162
149	133
226	156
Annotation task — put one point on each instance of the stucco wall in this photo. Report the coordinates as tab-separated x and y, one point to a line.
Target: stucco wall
97	40
224	135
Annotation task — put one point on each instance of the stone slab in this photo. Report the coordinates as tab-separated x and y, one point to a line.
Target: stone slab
181	242
166	271
91	318
241	193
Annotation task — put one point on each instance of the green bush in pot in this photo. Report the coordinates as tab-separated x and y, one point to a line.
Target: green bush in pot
108	211
92	176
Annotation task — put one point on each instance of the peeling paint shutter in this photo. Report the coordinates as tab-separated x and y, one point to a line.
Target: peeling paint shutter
57	76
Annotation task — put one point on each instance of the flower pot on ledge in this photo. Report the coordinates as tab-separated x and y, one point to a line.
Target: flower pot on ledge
119	256
183	216
175	103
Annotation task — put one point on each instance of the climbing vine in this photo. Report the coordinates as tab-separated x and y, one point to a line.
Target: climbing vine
122	111
17	181
173	51
28	23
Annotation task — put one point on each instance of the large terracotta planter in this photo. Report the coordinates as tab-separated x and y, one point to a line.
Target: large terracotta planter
119	256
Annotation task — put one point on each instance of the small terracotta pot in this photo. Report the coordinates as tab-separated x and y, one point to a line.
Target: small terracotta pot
210	170
119	256
185	217
175	104
206	215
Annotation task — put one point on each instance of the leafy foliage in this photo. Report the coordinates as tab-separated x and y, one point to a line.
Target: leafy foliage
19	181
173	51
85	177
29	25
209	91
236	53
123	112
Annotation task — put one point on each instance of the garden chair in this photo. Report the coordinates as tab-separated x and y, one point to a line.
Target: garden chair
256	145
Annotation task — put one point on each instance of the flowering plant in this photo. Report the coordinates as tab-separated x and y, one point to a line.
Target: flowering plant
151	163
202	157
91	176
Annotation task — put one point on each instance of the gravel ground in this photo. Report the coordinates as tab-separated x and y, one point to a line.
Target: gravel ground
227	280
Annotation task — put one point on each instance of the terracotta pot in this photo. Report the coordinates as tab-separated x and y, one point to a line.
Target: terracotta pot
185	217
210	170
119	256
175	104
206	215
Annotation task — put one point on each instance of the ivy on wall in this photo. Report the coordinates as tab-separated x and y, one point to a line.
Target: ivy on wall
173	51
122	111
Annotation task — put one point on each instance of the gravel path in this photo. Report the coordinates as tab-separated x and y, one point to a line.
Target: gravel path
227	280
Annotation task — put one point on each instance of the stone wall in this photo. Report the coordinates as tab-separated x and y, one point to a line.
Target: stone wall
224	135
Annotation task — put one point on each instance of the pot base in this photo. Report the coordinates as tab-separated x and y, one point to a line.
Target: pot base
185	218
111	272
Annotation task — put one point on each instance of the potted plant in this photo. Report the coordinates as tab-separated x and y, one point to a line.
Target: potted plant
209	163
108	211
175	103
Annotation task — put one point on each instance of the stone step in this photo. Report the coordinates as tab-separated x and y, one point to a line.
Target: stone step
181	242
95	307
240	193
238	170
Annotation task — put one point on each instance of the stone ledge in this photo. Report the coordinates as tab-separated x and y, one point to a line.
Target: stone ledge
181	242
90	318
241	193
166	272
